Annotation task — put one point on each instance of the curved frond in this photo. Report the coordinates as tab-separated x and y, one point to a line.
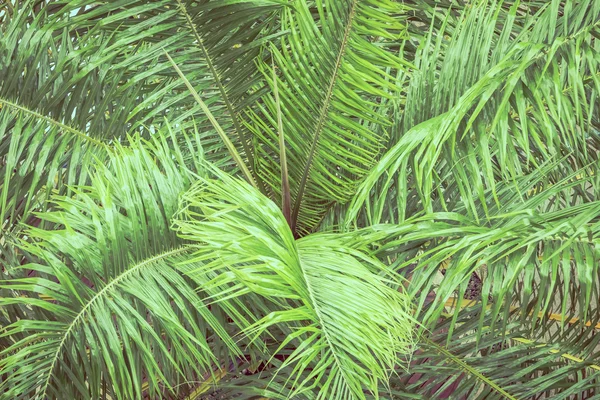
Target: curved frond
344	316
98	71
115	314
512	115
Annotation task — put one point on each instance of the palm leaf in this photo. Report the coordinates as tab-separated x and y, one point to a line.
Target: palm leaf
346	320
113	305
334	85
97	72
531	364
478	133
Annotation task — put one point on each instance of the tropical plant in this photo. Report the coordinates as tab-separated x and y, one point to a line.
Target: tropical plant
330	199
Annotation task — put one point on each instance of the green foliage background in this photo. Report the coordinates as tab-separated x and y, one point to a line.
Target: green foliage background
329	199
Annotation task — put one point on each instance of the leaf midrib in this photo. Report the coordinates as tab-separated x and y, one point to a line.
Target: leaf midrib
228	104
60	125
324	329
469	369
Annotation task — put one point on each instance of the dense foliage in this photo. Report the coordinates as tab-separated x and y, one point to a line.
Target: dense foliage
329	199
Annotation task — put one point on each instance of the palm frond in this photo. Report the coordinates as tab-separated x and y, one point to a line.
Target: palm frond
511	115
536	255
417	172
516	363
334	81
347	321
97	72
113	306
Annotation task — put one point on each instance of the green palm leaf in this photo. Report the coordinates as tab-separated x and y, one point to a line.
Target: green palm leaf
341	310
334	86
507	116
113	305
82	76
420	217
531	364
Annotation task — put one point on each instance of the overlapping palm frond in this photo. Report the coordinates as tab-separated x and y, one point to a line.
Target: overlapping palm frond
343	314
336	74
504	169
130	37
536	258
540	244
491	363
114	313
531	328
80	76
501	110
514	364
418	170
42	147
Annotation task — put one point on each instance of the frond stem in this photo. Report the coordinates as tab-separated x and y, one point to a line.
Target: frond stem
234	118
